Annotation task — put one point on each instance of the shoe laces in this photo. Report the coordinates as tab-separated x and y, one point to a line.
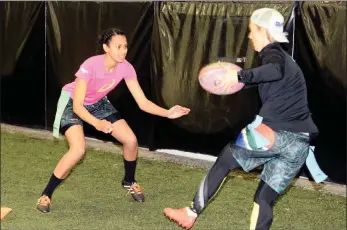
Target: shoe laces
135	188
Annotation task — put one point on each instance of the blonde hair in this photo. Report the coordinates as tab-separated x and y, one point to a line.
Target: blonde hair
268	36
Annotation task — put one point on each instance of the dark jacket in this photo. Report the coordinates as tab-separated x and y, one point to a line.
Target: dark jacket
282	89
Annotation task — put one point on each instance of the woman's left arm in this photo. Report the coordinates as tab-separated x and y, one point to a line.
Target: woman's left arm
149	107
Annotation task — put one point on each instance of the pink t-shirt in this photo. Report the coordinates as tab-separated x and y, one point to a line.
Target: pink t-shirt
100	82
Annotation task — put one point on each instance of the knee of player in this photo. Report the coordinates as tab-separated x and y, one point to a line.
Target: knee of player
131	142
80	151
265	196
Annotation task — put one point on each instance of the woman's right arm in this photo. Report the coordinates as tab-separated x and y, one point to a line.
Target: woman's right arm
78	101
82	112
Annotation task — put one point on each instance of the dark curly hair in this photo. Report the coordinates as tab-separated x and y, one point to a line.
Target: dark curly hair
106	36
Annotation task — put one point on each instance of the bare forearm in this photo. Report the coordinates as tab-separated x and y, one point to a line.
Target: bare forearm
150	107
85	115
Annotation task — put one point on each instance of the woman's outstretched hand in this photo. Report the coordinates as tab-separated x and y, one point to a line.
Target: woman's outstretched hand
177	111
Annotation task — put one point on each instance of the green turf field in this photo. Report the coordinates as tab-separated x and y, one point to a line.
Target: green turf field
92	198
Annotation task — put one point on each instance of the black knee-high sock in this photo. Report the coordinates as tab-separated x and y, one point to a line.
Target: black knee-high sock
214	179
264	201
130	168
51	186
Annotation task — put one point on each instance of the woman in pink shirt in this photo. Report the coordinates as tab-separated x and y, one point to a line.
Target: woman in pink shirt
84	100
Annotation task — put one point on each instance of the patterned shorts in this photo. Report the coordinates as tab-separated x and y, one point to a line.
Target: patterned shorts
282	159
65	116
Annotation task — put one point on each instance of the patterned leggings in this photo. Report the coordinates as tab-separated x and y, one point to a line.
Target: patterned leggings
285	157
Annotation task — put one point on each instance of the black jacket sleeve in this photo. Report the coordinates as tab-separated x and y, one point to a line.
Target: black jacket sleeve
272	69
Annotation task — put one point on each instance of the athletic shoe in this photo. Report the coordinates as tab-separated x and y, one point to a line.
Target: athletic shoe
43	204
184	217
135	190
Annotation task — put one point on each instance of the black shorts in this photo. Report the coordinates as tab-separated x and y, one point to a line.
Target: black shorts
102	110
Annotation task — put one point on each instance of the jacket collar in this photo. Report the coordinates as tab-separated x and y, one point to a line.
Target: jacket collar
270	46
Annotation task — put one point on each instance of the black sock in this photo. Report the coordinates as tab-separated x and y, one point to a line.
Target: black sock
130	168
51	186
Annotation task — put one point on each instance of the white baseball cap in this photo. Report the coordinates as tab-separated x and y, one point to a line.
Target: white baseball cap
272	20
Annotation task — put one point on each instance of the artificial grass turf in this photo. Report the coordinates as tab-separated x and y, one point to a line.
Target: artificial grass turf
92	196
